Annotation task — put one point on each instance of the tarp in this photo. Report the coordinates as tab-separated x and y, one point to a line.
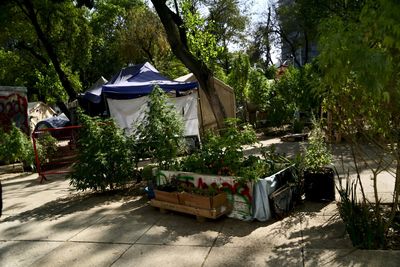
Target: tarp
262	192
226	96
93	94
133	82
139	80
129	112
53	122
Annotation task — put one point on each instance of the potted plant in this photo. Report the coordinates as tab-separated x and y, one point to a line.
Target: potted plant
319	184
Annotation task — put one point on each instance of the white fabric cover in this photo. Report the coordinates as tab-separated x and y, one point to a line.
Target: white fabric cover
262	189
128	112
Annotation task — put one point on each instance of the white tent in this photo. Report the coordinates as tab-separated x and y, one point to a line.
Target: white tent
128	112
205	114
194	108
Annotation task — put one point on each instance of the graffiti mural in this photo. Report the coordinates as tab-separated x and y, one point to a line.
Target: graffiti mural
240	195
13	109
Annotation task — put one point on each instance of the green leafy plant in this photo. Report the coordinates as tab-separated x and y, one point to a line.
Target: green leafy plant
104	158
15	146
201	41
46	146
147	172
366	230
160	134
208	191
222	154
317	155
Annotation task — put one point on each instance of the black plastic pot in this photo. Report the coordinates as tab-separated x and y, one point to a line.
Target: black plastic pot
319	186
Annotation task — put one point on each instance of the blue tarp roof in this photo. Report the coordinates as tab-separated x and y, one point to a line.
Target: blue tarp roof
53	122
136	81
93	94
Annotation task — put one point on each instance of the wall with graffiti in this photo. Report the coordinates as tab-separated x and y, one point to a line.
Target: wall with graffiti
240	195
14	107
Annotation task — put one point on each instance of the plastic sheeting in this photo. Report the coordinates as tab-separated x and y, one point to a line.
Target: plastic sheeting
129	112
93	94
262	189
53	122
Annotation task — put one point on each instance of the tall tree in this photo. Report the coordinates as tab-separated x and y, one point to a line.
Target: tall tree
143	41
31	13
264	37
228	25
57	25
360	60
177	38
299	20
108	20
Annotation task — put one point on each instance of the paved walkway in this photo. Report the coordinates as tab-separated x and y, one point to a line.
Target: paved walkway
51	225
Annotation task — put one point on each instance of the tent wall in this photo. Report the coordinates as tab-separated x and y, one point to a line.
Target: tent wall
226	96
128	112
38	111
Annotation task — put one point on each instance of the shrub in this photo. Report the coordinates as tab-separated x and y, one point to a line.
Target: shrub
160	134
222	154
15	146
317	154
46	146
104	158
366	230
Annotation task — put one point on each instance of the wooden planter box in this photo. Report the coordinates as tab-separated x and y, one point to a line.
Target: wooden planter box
170	197
203	202
201	206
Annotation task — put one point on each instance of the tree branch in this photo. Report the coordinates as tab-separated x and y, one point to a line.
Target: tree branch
24	46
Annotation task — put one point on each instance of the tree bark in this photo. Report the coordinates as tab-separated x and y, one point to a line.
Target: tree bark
29	11
292	48
176	35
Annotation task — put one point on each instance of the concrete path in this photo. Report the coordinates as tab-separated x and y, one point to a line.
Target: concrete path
52	225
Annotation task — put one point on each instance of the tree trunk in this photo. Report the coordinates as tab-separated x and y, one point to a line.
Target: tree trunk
31	14
306	46
176	35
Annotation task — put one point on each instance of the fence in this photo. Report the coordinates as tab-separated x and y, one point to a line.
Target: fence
65	154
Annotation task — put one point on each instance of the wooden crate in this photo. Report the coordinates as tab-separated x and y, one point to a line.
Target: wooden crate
200	213
203	202
171	197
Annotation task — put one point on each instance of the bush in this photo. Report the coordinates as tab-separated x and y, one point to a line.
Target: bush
366	230
104	158
222	154
317	154
15	146
46	146
160	134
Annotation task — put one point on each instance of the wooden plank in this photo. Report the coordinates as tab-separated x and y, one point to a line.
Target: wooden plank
211	213
171	197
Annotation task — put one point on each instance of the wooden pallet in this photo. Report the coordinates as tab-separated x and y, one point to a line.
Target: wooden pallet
200	214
